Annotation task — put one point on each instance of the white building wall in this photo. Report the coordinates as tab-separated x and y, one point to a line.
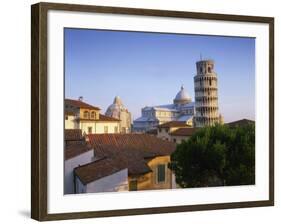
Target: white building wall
98	127
85	125
161	116
163	133
80	187
70	122
125	122
115	182
174	183
69	166
111	127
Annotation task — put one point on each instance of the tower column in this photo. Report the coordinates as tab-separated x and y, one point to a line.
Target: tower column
206	94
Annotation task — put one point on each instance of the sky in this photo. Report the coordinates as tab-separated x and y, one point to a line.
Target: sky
147	69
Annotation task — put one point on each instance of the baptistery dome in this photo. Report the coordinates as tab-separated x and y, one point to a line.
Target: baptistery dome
117	110
114	109
182	97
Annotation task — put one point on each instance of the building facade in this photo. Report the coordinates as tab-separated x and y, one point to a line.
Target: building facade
76	153
175	131
118	111
203	112
182	109
81	115
144	157
206	94
117	181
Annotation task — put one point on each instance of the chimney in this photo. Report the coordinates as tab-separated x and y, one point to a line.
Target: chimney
80	98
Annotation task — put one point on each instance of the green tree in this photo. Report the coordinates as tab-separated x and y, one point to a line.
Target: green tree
215	156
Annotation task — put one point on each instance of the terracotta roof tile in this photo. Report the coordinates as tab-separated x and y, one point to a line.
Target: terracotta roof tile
241	122
80	104
72	134
70	113
75	148
184	132
101	118
75	143
107	118
120	151
106	166
98	169
143	143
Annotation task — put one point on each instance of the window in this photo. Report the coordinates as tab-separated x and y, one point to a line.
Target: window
175	140
133	185
209	70
161	169
210	82
105	129
66	117
115	129
93	115
89	130
86	114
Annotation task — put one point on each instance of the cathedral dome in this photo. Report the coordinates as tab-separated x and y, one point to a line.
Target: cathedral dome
182	97
119	111
114	109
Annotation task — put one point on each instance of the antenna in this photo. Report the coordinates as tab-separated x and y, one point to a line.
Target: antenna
200	57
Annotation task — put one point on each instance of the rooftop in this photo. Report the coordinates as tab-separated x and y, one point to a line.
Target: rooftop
184	132
101	118
98	169
69	113
241	122
120	151
75	148
79	104
185	118
147	145
75	143
73	134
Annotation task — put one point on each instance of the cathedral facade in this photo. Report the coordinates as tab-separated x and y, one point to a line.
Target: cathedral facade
199	113
182	109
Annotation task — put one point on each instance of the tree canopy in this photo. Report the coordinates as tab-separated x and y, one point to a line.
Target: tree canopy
216	156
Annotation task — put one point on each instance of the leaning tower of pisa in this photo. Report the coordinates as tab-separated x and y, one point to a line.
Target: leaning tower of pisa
206	94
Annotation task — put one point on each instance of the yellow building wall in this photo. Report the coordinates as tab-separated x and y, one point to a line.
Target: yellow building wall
70	122
98	127
110	125
82	110
149	181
